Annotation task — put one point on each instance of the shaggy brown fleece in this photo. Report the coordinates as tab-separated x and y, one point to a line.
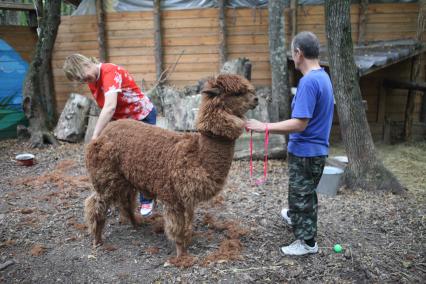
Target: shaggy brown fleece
178	169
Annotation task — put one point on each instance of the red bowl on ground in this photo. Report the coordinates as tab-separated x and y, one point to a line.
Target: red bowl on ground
25	159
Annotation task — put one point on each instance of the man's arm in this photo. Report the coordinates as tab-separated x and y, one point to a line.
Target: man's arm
282	127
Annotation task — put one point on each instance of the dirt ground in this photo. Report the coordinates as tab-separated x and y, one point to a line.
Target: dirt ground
43	238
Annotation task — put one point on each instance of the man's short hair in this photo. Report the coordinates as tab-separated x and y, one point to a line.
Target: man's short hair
308	43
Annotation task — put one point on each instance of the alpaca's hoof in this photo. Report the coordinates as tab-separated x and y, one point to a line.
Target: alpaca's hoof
138	220
97	243
181	251
123	220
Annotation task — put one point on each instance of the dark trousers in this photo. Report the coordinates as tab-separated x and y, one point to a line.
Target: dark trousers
304	176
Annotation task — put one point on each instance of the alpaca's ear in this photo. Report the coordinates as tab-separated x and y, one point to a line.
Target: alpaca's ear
211	91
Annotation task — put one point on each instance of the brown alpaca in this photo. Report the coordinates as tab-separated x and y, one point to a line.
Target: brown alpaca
178	169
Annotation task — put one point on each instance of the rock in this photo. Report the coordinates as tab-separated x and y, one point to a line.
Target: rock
6	264
263	222
240	66
407	264
72	122
180	110
94	112
347	254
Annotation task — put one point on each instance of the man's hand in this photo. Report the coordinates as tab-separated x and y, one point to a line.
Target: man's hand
255	125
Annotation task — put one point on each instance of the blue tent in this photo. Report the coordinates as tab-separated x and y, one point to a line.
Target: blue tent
12	74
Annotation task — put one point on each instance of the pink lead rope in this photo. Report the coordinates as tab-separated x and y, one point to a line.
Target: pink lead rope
260	181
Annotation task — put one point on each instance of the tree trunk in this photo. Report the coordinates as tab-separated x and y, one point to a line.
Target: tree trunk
158	40
100	17
365	170
222	32
278	59
39	94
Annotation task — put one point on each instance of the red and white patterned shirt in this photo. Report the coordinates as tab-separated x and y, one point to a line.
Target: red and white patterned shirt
131	102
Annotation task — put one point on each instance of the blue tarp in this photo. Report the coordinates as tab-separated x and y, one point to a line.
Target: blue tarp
12	74
88	7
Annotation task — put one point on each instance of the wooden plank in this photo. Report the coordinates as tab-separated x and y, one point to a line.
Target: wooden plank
75	46
384	27
129	25
393	8
140	33
246	21
72	37
190	23
16	6
78	28
393	19
242	48
78	19
129	16
130	42
62	54
309	10
199	41
246	12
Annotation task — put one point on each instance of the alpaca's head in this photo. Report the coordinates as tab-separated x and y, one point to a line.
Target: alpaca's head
225	100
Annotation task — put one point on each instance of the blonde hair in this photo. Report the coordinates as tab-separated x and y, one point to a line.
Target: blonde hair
74	66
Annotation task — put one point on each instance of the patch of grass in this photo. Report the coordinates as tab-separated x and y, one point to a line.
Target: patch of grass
406	160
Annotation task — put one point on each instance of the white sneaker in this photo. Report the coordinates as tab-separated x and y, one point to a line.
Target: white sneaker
298	247
284	214
146	208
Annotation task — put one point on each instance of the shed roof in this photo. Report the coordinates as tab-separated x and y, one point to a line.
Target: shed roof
378	55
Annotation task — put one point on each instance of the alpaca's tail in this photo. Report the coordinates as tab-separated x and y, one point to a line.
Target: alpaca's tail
95	210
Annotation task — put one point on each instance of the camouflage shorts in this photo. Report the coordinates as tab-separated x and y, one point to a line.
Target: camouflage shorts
304	176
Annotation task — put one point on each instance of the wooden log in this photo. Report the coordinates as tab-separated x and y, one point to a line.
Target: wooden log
100	16
222	32
158	45
72	122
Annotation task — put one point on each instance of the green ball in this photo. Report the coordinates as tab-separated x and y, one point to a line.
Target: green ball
337	248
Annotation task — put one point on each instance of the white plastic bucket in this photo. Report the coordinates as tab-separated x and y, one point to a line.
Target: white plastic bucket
329	181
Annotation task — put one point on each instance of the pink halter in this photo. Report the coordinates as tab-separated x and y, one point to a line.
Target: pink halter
260	181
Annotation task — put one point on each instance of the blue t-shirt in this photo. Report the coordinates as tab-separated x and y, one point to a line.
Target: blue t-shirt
313	100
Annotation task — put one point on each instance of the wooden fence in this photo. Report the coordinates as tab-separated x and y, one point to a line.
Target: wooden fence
195	33
130	41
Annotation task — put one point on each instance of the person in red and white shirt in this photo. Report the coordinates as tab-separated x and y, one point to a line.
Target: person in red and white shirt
116	93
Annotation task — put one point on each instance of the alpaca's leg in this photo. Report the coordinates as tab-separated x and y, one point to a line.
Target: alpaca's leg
95	210
174	223
128	207
189	215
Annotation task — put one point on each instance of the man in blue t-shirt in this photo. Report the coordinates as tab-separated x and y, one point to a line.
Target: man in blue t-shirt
309	128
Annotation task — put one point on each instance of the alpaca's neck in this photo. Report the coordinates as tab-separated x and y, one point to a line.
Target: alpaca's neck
216	156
